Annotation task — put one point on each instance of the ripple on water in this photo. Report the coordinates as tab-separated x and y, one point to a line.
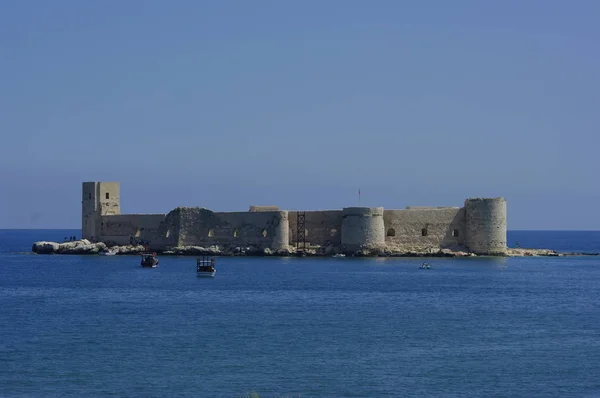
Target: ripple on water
323	327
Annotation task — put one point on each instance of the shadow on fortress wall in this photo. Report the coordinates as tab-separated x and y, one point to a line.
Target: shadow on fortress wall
449	240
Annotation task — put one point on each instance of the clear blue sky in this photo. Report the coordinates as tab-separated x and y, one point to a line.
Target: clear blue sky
224	104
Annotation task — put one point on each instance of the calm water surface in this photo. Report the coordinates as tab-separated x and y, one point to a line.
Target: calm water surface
103	326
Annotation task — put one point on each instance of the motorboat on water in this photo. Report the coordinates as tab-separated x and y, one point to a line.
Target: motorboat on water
425	266
149	260
205	267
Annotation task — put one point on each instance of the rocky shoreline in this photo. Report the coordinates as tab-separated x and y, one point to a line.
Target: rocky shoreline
84	246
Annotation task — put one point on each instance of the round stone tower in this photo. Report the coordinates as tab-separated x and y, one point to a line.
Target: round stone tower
485	226
362	227
281	237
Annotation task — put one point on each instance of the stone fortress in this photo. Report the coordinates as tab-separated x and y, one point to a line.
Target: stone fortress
479	227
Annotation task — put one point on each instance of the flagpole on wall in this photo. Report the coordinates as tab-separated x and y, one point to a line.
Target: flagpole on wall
359	196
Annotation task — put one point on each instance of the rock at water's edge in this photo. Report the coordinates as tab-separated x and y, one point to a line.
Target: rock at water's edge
45	247
84	246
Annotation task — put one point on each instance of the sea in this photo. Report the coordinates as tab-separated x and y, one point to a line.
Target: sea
102	326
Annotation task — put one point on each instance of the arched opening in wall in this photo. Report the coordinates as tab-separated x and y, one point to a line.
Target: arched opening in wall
455	233
107	195
424	232
264	233
391	232
211	233
235	233
138	233
333	232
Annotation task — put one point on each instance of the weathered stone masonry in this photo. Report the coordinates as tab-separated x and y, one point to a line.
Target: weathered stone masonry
479	226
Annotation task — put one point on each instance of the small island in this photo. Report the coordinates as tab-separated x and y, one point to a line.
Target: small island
84	246
476	229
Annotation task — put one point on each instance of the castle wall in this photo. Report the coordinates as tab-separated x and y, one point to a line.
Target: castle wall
486	225
90	212
322	228
362	227
152	228
480	225
441	226
263	208
202	227
109	197
98	199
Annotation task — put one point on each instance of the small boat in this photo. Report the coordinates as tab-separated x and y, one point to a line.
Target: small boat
107	253
149	260
339	255
425	266
205	267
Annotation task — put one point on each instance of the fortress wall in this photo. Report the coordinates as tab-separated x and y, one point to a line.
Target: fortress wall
486	225
90	212
98	199
362	227
263	208
109	198
405	227
480	225
323	228
202	227
119	229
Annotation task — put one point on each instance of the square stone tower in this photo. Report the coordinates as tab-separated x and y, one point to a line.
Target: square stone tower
98	199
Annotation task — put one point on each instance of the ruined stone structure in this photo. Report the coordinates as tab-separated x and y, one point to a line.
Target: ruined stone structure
479	226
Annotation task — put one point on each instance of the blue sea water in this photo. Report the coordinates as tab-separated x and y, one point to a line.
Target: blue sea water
103	326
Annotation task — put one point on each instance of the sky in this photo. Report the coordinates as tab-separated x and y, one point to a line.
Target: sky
226	104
